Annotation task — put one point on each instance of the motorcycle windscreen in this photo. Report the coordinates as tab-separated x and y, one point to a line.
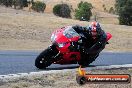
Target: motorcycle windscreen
71	34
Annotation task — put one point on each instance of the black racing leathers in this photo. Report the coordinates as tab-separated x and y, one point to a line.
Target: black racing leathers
94	46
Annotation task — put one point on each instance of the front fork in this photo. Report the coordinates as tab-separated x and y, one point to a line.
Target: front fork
57	55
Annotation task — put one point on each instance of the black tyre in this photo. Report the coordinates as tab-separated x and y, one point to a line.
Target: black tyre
44	59
85	61
81	80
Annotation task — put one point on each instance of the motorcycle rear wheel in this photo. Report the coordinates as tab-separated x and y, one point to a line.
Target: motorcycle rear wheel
44	59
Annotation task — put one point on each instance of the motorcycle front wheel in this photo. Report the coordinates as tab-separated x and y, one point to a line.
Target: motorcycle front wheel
44	59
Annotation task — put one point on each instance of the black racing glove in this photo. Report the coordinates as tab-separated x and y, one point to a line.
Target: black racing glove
79	28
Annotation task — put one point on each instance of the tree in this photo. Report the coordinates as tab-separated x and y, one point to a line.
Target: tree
84	11
38	6
124	9
56	10
7	3
119	4
10	3
62	10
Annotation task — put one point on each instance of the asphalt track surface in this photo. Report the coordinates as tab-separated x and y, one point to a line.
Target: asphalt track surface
12	62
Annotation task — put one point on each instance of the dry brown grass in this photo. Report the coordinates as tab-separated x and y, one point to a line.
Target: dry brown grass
103	16
98	4
65	79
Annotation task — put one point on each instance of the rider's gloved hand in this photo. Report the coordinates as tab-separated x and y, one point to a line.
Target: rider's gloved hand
73	46
76	27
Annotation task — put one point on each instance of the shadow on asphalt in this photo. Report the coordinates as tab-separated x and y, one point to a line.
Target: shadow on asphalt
65	67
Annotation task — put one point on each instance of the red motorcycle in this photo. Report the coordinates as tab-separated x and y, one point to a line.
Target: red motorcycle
65	49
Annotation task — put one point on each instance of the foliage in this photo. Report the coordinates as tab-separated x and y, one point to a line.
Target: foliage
62	10
83	11
124	9
10	3
111	10
56	9
25	3
119	4
38	6
7	3
22	3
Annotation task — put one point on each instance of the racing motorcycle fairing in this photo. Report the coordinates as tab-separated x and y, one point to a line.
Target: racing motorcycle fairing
63	39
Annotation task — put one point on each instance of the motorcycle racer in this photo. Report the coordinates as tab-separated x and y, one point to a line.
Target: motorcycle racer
74	45
96	41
